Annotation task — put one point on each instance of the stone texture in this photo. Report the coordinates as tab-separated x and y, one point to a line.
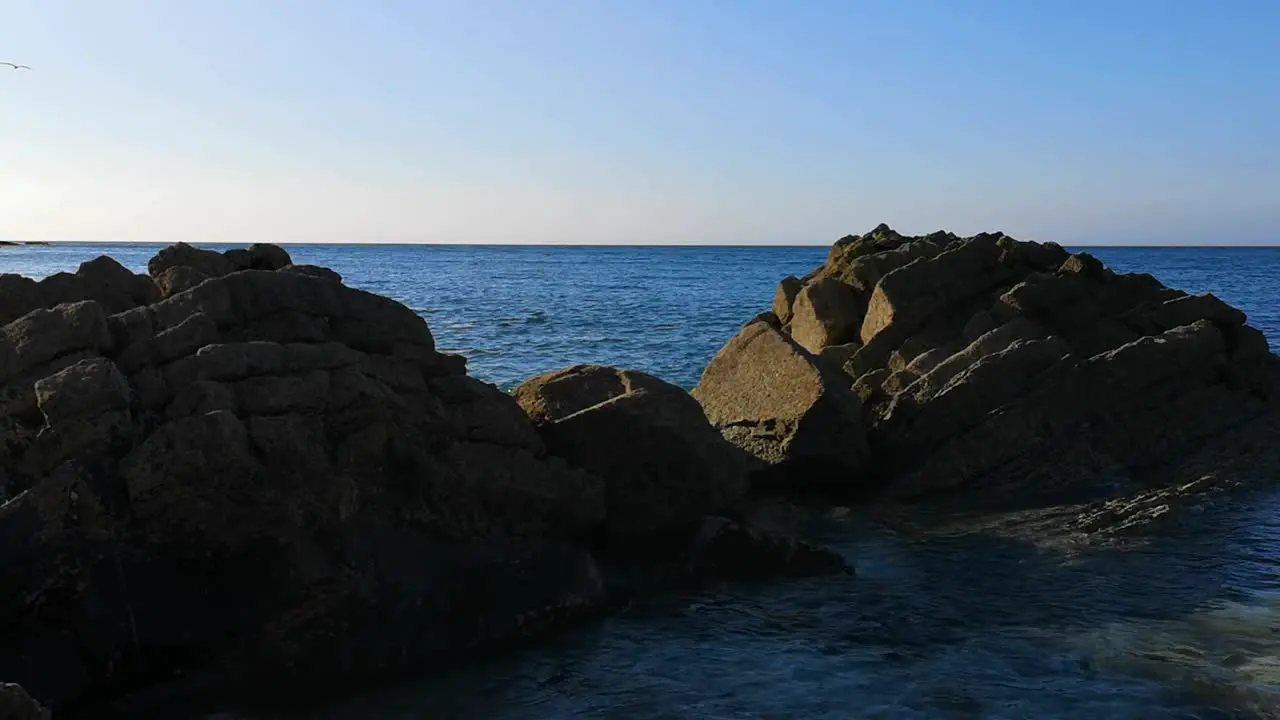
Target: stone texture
102	280
785	298
663	465
261	469
993	371
768	396
826	313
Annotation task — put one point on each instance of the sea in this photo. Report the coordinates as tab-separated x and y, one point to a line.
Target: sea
967	621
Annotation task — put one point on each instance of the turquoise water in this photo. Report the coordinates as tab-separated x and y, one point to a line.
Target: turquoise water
971	622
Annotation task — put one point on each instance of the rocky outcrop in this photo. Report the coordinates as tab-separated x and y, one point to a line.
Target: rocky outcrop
262	469
102	280
726	549
239	467
663	466
992	371
772	398
16	704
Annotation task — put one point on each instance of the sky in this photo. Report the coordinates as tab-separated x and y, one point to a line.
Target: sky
639	121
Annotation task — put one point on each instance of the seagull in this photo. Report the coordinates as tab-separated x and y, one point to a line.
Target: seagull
16	66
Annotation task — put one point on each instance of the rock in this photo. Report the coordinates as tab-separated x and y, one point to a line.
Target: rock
826	313
558	394
314	271
767	395
209	263
662	463
265	256
726	550
173	280
181	267
993	371
785	298
16	704
264	471
102	280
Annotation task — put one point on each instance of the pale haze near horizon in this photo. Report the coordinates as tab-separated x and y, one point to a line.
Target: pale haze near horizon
648	121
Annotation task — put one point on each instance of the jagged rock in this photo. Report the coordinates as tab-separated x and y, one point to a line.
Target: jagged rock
768	396
662	463
263	468
826	312
726	550
16	704
996	371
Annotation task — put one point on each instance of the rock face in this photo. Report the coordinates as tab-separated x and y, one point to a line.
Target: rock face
775	400
16	704
664	467
263	468
991	370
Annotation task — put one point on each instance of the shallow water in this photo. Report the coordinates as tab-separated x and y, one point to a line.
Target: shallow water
973	622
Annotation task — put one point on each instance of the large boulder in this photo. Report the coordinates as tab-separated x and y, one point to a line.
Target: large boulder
664	467
826	312
262	470
993	371
772	398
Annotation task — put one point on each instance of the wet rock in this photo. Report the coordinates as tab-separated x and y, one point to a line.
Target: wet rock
768	396
16	704
662	463
726	550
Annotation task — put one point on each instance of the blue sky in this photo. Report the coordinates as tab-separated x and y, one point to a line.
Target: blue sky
644	121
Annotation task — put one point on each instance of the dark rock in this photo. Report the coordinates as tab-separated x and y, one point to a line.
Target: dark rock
662	463
768	396
262	469
16	704
726	550
265	256
314	271
102	280
209	263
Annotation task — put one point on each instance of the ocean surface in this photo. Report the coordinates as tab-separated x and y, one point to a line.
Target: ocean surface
977	620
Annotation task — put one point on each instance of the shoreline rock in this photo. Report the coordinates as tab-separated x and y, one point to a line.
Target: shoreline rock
236	466
991	371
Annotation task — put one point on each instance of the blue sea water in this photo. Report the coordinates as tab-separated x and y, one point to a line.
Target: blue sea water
970	622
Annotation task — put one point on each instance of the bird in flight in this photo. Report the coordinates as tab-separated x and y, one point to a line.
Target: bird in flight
16	66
